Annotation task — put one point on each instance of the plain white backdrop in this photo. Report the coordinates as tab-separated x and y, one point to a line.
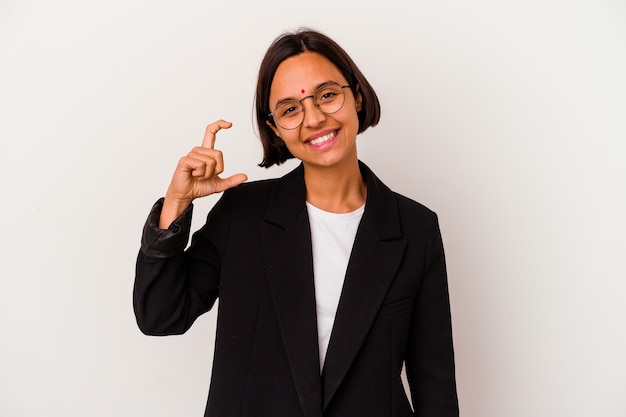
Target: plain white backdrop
507	118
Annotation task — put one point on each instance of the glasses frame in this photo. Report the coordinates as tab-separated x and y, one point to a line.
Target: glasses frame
271	115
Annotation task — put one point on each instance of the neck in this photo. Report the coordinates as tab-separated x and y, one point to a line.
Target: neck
336	189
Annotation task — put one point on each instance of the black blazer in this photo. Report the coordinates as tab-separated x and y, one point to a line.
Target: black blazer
255	254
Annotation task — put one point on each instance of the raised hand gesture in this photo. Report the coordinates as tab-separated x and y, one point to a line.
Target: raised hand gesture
197	175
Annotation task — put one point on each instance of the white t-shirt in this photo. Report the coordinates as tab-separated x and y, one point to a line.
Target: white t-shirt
332	237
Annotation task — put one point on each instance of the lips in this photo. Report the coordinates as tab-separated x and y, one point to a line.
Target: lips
322	139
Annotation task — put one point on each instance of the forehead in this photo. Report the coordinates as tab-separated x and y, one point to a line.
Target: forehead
303	72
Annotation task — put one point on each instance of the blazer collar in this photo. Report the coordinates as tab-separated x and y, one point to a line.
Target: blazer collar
286	244
375	257
288	203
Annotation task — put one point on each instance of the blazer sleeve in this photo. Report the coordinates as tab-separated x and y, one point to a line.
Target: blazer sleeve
173	287
430	355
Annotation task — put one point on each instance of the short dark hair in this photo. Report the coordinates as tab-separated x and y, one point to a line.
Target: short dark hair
291	44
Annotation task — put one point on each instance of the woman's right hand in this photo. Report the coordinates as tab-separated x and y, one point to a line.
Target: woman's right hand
197	175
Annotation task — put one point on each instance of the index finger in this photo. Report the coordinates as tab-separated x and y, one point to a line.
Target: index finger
211	131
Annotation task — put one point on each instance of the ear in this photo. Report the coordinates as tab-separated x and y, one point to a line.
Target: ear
274	129
358	99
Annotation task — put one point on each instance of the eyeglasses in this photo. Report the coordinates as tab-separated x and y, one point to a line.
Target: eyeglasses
328	98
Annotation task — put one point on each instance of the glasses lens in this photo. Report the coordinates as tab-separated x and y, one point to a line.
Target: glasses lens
289	114
329	98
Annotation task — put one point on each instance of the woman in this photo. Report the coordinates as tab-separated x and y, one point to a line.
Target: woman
328	281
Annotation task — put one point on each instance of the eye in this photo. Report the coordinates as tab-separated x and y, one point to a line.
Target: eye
288	109
327	94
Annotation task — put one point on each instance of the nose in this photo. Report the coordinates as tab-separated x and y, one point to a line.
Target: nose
313	116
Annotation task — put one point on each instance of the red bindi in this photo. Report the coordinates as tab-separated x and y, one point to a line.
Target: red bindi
302	91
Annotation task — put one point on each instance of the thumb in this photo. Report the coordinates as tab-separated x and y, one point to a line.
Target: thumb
232	181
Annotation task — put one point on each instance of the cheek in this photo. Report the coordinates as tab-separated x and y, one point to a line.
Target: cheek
352	119
291	139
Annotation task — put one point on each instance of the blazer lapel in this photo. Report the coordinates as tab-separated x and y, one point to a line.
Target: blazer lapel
286	241
376	255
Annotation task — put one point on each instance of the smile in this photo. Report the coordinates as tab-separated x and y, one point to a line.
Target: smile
322	139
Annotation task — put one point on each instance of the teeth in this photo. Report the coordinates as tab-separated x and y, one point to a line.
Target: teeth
322	139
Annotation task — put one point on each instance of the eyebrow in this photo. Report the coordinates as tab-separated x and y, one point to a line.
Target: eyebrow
322	84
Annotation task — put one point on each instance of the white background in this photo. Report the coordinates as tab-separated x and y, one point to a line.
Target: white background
508	118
